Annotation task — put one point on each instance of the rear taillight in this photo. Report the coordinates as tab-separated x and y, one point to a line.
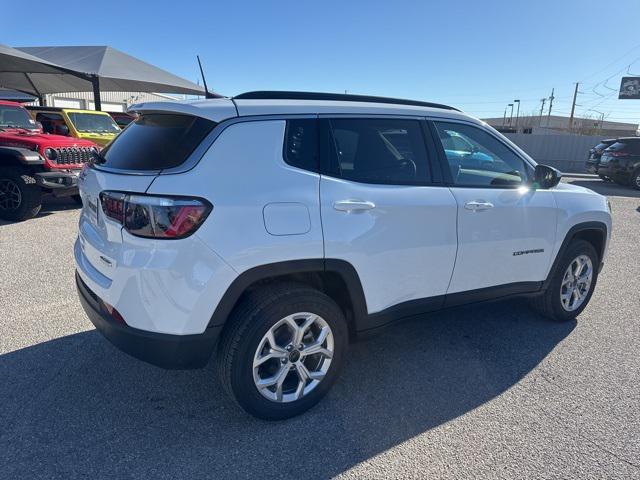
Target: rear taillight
153	216
618	154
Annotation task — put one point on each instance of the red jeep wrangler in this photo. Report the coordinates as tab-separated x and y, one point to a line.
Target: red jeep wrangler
33	163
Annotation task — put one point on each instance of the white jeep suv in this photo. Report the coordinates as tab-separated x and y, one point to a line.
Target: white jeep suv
276	227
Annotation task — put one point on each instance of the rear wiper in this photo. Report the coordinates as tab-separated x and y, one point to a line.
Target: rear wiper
98	159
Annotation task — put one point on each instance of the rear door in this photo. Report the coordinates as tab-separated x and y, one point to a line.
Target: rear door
506	230
385	211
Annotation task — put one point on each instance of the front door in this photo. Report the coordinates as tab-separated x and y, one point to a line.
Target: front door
506	230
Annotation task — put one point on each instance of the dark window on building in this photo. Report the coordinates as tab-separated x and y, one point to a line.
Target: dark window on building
301	144
156	142
384	151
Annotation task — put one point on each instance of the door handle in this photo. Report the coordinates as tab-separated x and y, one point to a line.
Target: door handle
478	205
353	205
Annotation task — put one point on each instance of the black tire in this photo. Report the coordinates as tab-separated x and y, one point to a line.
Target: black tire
635	179
77	199
549	304
604	179
20	196
255	314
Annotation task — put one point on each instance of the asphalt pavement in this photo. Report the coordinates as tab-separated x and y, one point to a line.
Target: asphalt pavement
489	391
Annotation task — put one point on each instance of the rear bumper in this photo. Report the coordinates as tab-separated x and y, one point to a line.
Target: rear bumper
163	350
614	171
592	166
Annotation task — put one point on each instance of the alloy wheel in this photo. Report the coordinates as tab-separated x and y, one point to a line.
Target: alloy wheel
576	283
293	357
10	195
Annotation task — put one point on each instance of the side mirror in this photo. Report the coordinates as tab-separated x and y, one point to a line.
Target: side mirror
546	177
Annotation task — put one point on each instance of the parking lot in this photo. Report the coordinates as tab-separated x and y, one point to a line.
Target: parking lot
490	391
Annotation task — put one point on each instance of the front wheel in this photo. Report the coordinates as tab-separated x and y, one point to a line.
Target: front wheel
282	351
20	196
635	179
572	284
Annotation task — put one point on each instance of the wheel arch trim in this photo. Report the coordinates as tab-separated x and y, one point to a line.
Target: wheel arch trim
600	227
273	270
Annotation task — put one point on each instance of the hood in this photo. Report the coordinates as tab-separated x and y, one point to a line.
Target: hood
24	137
569	187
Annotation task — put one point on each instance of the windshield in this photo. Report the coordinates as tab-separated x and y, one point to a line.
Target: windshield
93	122
16	117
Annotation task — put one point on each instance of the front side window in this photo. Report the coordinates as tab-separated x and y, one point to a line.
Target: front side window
386	151
53	123
478	159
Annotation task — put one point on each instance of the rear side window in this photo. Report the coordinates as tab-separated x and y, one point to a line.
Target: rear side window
618	146
379	151
156	142
628	146
301	144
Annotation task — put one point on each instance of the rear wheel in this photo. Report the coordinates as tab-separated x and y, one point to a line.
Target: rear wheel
282	351
20	196
572	285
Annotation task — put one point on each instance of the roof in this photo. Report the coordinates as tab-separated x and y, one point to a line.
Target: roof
15	96
222	108
10	104
344	97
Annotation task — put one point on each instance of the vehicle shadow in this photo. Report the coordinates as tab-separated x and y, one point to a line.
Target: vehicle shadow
77	407
51	205
604	188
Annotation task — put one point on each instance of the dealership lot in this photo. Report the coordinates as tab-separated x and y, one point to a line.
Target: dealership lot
491	391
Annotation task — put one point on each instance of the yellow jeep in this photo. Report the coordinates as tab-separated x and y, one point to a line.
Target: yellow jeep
98	127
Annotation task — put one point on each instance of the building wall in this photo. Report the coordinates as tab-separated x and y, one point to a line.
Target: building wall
111	101
560	125
567	153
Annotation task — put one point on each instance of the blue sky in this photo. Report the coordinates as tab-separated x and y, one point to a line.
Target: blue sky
476	55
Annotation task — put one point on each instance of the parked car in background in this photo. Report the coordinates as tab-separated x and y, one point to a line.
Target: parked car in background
276	227
621	162
593	161
122	119
33	164
99	127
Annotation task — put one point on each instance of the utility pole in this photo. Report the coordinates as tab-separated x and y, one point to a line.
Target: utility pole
543	100
504	119
573	106
550	106
511	116
517	114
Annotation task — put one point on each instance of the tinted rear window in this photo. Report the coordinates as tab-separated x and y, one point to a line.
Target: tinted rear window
616	147
156	141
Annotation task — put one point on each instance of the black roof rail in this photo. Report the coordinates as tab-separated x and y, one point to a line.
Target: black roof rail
341	97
